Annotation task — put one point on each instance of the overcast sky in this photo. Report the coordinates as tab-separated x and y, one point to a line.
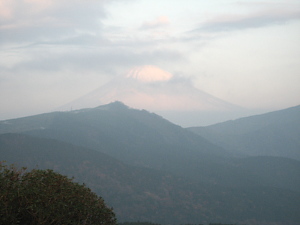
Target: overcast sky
246	52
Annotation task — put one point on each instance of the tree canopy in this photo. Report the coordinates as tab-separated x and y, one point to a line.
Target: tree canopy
47	197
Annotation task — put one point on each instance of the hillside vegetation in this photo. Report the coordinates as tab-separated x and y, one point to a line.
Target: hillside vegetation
271	134
149	169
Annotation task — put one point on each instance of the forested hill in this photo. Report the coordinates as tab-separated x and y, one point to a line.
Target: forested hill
149	169
143	194
133	136
272	134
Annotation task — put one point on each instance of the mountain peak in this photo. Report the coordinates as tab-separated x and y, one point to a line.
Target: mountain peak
149	74
116	105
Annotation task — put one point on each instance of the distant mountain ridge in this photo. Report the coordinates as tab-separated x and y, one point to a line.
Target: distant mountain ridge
150	169
133	136
275	134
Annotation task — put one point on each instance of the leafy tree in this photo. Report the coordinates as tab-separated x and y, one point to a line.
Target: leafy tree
47	197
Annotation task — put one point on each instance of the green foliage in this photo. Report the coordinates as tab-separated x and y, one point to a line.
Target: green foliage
47	197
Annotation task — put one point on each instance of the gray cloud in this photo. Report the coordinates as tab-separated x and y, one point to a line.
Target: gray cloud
102	59
58	35
37	21
231	22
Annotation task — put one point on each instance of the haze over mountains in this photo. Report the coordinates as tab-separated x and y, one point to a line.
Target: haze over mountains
149	169
173	67
175	98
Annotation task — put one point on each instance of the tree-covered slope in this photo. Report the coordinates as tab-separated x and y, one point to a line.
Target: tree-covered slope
133	136
271	134
113	125
143	194
140	138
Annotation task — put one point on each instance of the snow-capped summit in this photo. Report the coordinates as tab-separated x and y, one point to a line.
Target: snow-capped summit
149	73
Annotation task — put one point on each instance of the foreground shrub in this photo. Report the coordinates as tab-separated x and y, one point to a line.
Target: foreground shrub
47	197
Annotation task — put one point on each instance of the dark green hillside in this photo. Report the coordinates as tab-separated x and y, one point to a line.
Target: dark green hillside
271	134
141	194
140	138
37	122
273	171
134	136
111	126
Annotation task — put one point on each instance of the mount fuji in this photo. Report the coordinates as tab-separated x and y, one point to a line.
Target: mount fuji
151	88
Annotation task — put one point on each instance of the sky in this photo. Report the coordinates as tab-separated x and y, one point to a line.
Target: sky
245	52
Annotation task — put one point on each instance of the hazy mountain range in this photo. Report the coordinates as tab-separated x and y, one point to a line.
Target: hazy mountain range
271	134
149	169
